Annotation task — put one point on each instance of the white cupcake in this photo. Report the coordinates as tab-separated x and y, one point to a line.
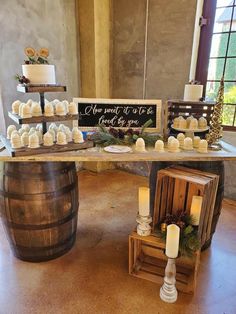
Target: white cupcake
48	139
73	108
61	138
25	111
36	109
25	139
53	133
33	140
78	137
49	110
26	127
60	109
140	145
159	146
10	129
16	140
15	106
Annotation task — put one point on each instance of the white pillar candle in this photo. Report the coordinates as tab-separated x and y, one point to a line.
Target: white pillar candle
144	201
172	241
195	210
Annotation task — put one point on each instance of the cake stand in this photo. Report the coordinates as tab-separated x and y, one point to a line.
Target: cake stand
190	132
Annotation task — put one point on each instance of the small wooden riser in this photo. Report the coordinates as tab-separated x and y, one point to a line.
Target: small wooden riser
148	261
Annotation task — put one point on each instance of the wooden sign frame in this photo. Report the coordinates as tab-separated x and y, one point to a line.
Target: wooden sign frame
159	119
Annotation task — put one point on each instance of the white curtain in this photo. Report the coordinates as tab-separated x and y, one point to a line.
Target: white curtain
2	119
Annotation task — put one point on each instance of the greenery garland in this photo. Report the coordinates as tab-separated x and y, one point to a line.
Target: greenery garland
111	136
189	242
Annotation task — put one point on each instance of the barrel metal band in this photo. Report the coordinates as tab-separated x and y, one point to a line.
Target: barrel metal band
40	196
45	175
54	224
44	248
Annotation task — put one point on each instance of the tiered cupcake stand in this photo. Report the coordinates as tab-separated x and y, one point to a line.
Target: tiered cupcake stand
25	151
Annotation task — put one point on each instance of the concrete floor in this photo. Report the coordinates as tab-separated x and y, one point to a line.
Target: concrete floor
93	277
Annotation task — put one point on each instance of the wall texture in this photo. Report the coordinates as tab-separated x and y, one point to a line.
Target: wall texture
168	50
39	23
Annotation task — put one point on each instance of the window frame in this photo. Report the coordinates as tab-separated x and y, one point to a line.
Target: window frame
206	33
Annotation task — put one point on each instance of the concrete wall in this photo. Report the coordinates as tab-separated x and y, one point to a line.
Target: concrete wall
38	23
170	28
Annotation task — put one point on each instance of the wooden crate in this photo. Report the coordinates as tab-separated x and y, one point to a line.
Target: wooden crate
178	108
148	261
174	191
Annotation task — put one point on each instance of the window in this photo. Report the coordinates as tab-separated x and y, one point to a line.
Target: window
218	38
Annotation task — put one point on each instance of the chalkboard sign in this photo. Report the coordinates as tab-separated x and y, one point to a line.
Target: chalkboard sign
119	113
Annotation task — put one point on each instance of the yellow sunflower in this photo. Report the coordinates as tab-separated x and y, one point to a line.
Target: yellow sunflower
29	51
44	52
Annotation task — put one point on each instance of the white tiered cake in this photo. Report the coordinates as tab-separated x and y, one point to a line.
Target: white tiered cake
40	73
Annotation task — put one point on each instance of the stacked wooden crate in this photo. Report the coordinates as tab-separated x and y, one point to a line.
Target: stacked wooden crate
174	191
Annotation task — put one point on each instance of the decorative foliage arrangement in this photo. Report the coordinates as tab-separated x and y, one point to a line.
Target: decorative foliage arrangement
215	131
111	136
188	243
36	57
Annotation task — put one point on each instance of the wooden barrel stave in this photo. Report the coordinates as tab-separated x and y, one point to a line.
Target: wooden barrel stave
39	206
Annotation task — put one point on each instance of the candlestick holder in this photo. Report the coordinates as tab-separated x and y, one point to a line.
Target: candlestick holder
168	292
143	227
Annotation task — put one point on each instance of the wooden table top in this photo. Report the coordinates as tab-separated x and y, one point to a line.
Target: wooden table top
227	153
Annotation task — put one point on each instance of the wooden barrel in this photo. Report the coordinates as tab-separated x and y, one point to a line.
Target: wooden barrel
216	167
39	207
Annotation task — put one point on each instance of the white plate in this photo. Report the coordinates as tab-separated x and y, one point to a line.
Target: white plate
117	149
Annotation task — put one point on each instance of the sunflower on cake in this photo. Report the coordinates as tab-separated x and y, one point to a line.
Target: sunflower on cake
37	70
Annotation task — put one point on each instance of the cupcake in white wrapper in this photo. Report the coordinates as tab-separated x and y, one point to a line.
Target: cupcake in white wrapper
26	111
40	136
48	139
182	123
188	143
188	120
16	141
78	137
66	104
53	133
33	140
36	110
26	127
54	127
15	106
73	108
60	109
49	109
174	146
159	146
193	124
203	146
202	123
196	141
61	138
180	138
32	131
21	131
10	129
140	145
25	139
